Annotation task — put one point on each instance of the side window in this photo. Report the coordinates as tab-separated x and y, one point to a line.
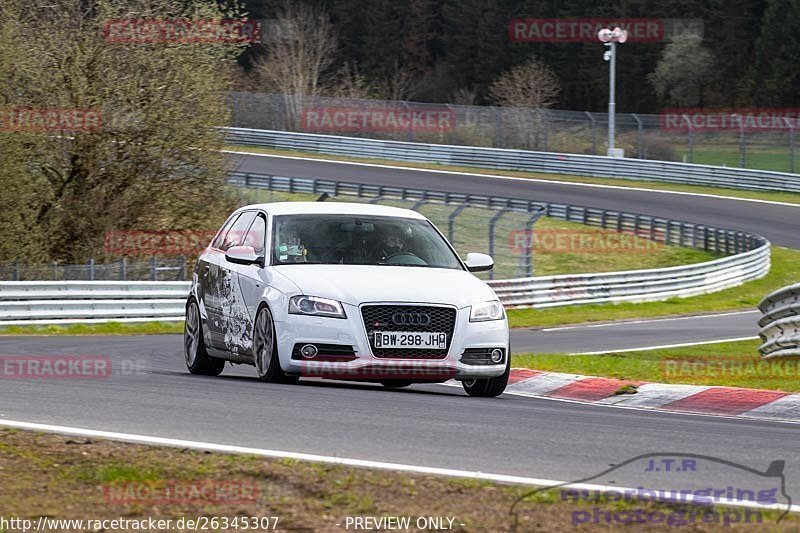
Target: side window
237	231
255	235
224	231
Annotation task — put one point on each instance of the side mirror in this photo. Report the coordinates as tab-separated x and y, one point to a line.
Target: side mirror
479	262
242	255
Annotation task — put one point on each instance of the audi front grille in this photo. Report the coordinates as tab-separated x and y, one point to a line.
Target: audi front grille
408	318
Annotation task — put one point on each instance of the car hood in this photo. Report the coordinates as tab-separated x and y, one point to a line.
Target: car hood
357	284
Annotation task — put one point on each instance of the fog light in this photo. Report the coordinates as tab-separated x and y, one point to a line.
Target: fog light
309	351
497	355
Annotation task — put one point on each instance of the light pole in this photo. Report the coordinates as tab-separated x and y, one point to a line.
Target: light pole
610	38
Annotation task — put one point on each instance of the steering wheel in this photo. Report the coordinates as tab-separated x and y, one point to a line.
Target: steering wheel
411	258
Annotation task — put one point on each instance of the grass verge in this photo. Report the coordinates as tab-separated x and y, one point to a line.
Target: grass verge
105	328
731	364
773	196
83	479
748	295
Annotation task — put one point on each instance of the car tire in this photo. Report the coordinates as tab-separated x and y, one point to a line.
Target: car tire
396	383
265	350
194	348
488	387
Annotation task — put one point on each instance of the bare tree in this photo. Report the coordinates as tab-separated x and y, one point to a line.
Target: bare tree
532	84
298	58
684	70
530	88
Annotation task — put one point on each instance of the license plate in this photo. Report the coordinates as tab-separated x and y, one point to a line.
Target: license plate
410	339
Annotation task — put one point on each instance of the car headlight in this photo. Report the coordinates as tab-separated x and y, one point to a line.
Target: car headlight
315	306
486	311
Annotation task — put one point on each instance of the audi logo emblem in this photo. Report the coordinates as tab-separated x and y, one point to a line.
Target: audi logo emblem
411	319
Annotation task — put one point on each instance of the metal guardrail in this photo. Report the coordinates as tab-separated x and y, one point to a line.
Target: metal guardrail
505	159
66	302
49	302
780	325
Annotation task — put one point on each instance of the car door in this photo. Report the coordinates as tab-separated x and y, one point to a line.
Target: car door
208	272
252	281
225	328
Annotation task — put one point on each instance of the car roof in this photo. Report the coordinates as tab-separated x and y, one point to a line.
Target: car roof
338	208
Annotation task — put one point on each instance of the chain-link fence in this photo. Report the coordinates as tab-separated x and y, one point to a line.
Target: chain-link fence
667	137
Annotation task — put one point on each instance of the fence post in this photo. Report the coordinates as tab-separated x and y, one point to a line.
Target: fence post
690	137
791	145
639	135
492	223
153	271
593	125
742	155
123	269
451	221
529	242
91	269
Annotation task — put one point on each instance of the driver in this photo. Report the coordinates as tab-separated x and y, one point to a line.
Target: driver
393	243
290	249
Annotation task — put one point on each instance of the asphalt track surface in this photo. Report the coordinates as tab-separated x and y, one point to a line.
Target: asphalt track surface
150	393
779	223
633	334
430	425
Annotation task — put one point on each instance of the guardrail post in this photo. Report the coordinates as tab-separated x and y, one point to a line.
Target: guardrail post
15	272
90	269
492	223
182	271
451	221
123	269
153	267
791	148
54	266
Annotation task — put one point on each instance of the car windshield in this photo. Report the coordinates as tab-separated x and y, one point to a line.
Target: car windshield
359	240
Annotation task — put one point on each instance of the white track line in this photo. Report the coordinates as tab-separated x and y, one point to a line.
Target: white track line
359	463
647	321
515	178
664	346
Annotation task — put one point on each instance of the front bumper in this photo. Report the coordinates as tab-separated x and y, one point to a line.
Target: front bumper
301	329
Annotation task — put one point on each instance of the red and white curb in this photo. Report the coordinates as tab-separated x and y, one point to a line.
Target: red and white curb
694	399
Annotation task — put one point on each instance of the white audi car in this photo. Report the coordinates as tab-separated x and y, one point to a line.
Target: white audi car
354	292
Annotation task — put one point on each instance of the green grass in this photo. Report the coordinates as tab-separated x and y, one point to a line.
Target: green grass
106	328
783	272
755	157
700	156
732	364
